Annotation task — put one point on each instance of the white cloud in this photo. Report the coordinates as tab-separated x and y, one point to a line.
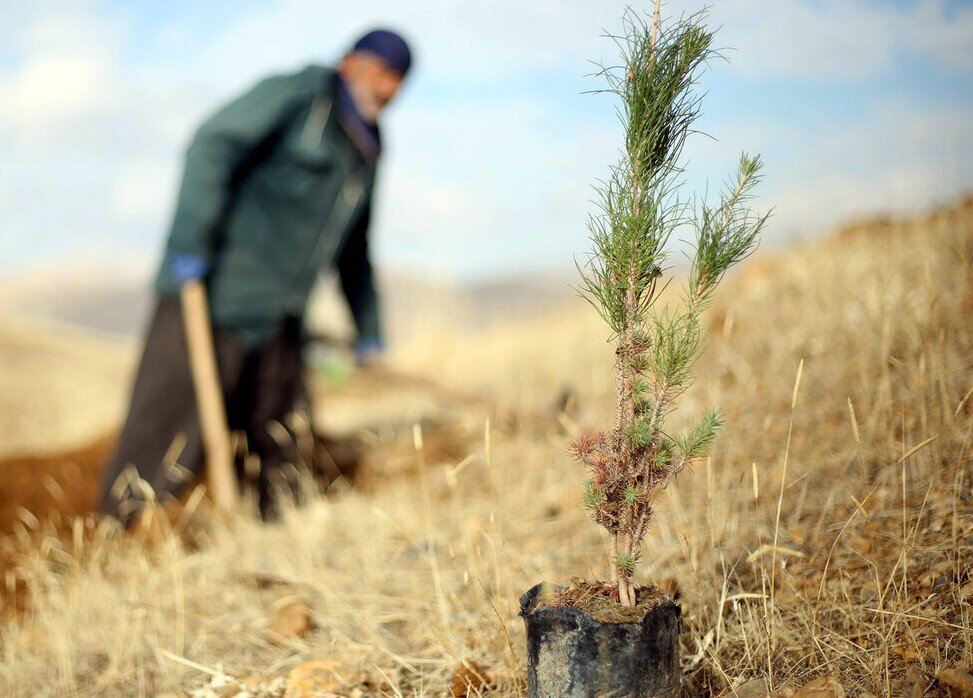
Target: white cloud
140	191
64	77
837	39
794	39
506	188
946	37
902	159
466	41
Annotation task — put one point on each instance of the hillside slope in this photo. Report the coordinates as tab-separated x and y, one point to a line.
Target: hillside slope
830	532
60	387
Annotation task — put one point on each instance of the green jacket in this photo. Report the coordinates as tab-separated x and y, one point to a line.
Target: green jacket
275	191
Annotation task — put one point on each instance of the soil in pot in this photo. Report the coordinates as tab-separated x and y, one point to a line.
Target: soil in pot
582	643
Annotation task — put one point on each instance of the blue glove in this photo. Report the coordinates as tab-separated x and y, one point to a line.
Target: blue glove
187	267
368	350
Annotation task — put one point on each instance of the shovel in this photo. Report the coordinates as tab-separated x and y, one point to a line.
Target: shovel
209	398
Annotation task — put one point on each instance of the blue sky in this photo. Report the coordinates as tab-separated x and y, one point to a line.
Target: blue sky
492	147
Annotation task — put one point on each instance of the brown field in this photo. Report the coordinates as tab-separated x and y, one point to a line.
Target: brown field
830	534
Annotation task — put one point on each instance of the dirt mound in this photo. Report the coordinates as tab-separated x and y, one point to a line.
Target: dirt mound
52	487
40	492
43	494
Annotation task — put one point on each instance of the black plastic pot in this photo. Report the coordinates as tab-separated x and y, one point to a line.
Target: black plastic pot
572	655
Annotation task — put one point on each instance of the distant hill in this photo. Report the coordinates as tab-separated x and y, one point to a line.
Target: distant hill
96	298
88	295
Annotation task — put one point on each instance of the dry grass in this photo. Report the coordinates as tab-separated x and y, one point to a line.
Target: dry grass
830	532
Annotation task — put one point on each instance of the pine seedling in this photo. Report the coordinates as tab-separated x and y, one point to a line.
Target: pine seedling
639	210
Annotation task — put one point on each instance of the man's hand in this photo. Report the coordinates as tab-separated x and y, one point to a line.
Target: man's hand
187	267
368	352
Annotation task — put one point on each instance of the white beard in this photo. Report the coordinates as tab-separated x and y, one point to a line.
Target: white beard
366	101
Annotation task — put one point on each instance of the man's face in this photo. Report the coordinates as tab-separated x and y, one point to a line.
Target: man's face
371	81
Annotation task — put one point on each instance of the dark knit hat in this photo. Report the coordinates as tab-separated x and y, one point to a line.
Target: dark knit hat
388	46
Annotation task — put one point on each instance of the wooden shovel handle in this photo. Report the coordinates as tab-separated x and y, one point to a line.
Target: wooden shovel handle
209	397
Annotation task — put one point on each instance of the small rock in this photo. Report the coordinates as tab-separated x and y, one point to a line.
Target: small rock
956	682
469	680
823	687
291	617
318	677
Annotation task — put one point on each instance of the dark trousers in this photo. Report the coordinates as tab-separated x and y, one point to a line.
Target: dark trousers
161	443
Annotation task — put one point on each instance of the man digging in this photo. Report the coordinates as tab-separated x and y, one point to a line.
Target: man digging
277	187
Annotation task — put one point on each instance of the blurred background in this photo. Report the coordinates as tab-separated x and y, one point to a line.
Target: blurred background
492	147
